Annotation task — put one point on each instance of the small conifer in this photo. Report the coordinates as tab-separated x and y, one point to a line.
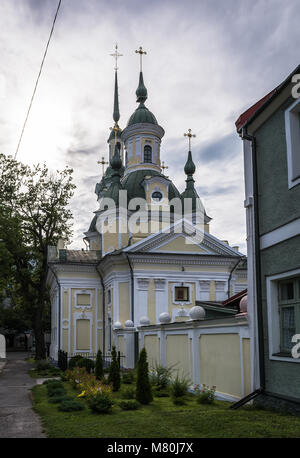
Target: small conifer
99	370
114	376
143	387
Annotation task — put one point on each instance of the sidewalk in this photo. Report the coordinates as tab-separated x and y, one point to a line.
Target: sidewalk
17	418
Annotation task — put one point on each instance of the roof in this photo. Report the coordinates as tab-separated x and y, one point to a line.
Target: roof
250	114
132	182
235	298
142	115
78	256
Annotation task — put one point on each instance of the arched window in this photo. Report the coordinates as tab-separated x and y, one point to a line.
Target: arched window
147	153
126	159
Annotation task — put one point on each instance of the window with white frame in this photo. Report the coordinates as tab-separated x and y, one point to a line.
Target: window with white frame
182	293
292	127
289	312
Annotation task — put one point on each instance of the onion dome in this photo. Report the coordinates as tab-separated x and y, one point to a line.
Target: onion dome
116	170
142	114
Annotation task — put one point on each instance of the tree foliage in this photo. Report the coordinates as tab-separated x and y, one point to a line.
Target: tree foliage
143	387
34	214
99	370
114	376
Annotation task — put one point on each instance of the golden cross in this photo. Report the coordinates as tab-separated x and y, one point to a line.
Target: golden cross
116	54
140	52
103	163
163	166
190	135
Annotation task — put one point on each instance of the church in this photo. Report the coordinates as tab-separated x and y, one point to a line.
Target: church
150	257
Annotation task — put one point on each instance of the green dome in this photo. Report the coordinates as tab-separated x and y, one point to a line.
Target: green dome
133	184
142	114
92	227
112	135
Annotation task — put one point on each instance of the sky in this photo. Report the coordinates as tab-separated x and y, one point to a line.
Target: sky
207	61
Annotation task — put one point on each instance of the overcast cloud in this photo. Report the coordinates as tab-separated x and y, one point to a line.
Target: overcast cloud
207	61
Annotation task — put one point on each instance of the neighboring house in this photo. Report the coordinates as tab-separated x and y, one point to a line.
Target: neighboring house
270	130
126	278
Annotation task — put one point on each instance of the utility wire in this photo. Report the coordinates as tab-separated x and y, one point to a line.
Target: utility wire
37	80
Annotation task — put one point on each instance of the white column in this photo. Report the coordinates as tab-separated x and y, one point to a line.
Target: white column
141	299
161	297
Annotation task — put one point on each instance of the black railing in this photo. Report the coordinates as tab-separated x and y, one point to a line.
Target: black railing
64	358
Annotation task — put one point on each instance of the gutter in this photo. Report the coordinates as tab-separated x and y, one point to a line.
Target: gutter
262	376
103	309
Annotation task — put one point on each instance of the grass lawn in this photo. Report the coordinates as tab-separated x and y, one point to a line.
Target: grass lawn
161	419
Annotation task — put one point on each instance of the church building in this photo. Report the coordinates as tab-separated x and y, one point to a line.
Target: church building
150	256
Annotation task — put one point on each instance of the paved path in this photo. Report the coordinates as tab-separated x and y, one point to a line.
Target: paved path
17	419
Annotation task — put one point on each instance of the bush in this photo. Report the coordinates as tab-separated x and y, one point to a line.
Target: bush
132	404
179	401
99	372
128	392
128	377
160	377
74	361
161	393
56	391
143	387
100	403
179	387
43	365
88	364
114	371
59	398
205	395
53	382
70	405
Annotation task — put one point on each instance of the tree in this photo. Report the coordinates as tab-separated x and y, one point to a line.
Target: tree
114	376
33	215
143	387
99	371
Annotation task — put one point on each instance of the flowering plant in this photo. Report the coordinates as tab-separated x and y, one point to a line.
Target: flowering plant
204	393
87	383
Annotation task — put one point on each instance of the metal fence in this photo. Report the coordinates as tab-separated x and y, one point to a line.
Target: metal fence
64	358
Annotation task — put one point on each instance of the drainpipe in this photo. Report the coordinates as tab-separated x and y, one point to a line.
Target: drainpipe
59	304
103	310
251	138
132	287
231	272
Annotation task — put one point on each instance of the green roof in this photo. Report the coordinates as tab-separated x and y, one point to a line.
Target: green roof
142	115
133	184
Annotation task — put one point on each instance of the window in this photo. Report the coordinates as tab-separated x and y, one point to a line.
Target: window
109	296
292	127
289	312
181	293
157	196
147	153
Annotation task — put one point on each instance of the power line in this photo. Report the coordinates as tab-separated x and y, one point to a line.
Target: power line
37	80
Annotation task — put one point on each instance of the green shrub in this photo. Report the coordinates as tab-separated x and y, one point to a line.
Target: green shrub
55	390
59	398
131	404
143	387
100	403
70	405
88	364
43	365
74	361
179	387
160	377
53	382
128	377
99	372
179	401
128	392
206	395
114	371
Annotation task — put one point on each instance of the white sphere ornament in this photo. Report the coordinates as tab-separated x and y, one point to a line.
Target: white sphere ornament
117	325
244	304
144	321
197	313
129	324
164	317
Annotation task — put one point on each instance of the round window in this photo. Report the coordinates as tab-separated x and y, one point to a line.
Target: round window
157	196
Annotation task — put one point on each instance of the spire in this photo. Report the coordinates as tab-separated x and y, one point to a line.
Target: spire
141	92
116	113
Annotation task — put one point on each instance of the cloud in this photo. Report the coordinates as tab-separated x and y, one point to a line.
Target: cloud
207	61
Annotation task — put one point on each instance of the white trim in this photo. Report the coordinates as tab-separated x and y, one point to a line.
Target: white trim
184	285
289	133
273	315
280	234
83	316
